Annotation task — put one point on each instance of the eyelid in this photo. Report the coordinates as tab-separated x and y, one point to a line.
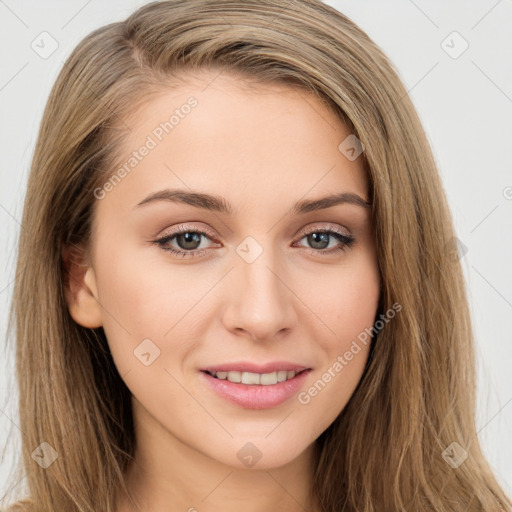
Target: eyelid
321	227
185	228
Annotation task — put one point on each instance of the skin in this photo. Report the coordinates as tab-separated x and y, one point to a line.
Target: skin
262	148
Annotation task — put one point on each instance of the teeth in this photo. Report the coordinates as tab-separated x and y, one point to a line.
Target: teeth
250	378
268	378
265	379
281	375
234	376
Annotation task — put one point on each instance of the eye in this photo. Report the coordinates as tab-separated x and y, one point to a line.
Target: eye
187	240
319	240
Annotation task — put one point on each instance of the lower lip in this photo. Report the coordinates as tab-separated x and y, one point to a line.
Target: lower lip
254	396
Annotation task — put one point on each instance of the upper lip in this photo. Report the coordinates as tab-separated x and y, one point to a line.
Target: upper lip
244	366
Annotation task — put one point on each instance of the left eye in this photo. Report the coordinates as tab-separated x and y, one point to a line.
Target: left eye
189	241
322	237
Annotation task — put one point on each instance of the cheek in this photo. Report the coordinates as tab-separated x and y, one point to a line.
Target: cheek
134	299
345	300
143	291
146	297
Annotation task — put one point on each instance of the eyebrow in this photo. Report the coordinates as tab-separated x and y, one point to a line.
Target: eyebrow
219	204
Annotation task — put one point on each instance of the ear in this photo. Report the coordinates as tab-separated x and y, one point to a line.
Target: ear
80	288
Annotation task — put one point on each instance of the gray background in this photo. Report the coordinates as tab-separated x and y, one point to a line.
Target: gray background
465	104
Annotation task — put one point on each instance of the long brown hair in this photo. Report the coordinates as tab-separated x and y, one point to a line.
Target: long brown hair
386	451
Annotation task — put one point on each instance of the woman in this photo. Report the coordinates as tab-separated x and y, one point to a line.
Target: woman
236	284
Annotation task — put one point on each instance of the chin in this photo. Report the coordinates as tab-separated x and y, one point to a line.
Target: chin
260	453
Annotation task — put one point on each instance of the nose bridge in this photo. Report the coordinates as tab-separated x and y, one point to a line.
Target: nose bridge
260	303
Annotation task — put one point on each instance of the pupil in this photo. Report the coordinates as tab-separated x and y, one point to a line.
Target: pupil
322	238
189	238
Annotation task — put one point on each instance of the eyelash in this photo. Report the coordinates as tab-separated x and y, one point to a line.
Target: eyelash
346	242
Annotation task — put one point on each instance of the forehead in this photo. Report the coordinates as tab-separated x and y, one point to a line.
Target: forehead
239	139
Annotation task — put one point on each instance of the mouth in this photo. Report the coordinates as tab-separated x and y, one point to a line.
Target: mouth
256	387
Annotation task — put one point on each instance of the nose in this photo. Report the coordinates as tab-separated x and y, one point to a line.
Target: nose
260	302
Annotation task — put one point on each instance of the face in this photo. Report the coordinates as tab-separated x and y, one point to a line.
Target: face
253	283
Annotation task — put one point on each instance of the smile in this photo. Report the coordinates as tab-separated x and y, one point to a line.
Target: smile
252	390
